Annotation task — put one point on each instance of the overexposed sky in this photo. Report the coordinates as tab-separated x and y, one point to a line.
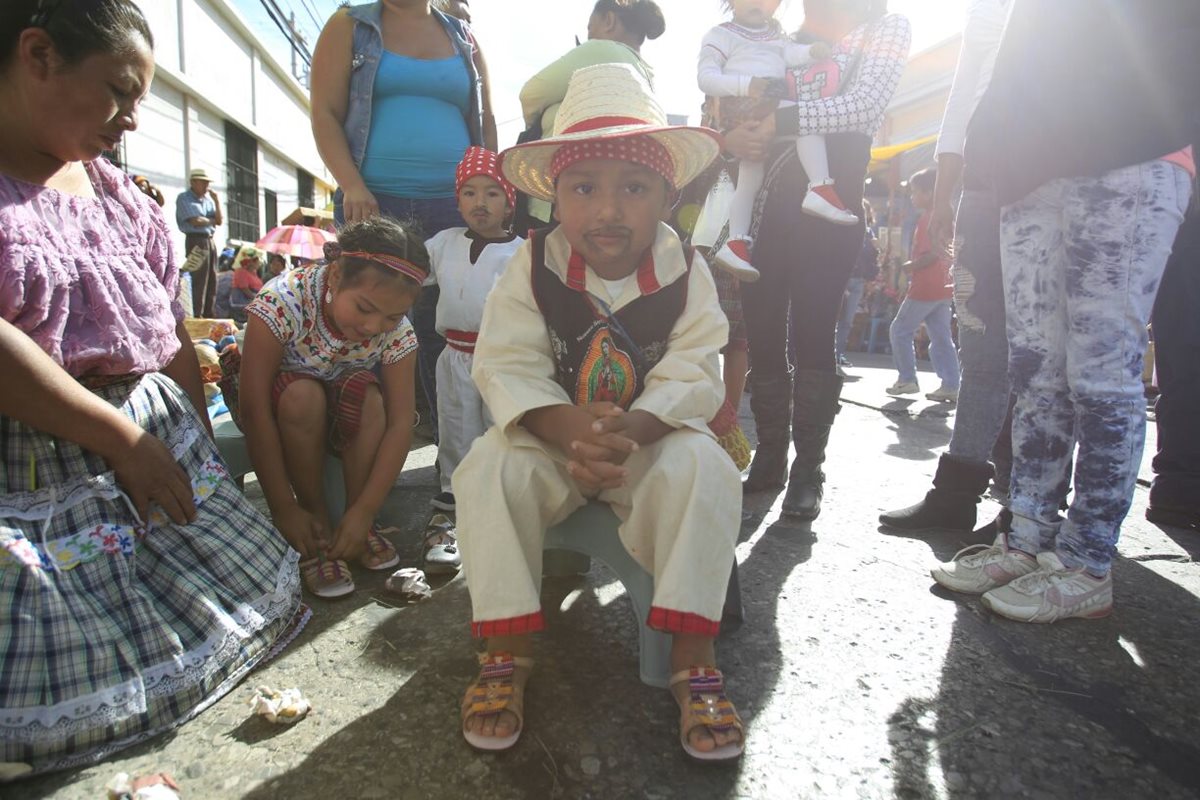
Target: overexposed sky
519	37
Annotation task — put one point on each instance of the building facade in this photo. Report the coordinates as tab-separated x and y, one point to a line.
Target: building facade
220	101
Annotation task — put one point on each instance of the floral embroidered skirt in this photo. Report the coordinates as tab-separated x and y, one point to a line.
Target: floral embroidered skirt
111	630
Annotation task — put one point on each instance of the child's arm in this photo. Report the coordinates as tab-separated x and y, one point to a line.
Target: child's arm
710	73
398	382
797	55
262	354
921	262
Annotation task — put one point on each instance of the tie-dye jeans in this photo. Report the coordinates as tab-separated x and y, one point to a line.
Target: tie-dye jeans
1082	261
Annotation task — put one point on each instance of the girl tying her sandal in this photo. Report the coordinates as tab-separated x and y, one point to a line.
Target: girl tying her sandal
597	358
308	386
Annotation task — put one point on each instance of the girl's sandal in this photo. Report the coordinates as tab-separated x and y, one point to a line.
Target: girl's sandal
326	578
708	707
493	693
380	554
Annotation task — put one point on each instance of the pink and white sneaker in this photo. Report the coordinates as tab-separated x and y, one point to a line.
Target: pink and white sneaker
734	258
823	201
1052	593
981	567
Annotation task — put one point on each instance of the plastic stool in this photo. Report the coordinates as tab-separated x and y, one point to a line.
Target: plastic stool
232	446
592	531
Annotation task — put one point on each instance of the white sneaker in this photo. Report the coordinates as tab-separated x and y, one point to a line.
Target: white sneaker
1051	593
899	387
734	258
822	201
982	567
943	394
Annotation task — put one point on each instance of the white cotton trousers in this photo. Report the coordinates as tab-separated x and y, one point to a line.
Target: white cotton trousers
462	416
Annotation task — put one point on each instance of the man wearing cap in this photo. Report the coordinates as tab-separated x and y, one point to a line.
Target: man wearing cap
198	213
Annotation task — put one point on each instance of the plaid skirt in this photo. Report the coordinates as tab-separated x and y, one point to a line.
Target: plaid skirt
113	629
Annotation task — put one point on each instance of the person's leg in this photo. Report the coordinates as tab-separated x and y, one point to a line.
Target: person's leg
765	313
1121	227
903	328
1043	419
449	419
850	301
733	374
749	181
210	280
518	488
360	420
684	477
980	424
1175	491
941	344
301	414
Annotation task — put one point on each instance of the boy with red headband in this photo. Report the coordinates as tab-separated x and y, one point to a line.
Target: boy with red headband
597	358
465	263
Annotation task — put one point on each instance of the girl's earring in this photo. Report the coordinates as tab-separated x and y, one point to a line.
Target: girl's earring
328	296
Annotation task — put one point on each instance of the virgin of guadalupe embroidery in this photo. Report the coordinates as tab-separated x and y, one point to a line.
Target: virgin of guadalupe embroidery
607	372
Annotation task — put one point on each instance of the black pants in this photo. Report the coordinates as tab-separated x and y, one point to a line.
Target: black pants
805	264
204	280
1177	357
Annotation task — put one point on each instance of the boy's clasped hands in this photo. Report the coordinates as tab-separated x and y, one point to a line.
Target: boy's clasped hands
597	439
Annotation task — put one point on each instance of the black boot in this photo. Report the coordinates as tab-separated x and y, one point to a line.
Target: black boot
1001	523
771	402
950	504
814	406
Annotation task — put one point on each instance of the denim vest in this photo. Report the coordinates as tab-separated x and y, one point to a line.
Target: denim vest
368	49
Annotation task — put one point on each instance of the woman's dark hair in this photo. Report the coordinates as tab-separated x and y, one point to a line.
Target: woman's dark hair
381	235
78	28
642	18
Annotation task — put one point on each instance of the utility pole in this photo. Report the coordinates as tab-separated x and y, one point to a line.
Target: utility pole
298	42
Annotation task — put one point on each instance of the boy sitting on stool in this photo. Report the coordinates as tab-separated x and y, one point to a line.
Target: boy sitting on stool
598	360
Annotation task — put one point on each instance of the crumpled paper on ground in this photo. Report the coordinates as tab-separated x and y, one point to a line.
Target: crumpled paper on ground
159	786
410	584
281	707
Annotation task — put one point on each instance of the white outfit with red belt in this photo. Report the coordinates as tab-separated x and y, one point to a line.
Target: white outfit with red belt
462	416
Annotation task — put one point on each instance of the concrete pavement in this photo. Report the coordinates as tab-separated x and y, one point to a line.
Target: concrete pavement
855	677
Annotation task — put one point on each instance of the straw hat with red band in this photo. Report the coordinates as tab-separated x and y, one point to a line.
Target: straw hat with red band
481	161
607	103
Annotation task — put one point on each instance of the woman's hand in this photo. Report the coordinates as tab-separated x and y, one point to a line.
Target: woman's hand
359	204
147	472
750	140
303	530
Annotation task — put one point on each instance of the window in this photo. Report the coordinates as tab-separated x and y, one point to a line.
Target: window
305	190
241	164
270	208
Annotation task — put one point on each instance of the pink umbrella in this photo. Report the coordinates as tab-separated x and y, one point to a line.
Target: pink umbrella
296	240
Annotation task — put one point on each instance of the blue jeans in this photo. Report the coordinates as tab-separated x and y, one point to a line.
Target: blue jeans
433	216
936	316
983	398
850	301
1083	258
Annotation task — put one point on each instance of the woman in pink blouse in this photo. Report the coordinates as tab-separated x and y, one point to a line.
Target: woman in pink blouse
138	585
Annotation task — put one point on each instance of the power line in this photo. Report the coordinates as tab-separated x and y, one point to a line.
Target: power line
312	14
288	30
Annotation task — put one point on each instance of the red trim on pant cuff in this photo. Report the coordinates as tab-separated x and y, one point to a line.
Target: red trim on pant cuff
512	626
668	621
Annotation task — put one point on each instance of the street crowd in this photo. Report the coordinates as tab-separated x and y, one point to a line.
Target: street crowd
577	339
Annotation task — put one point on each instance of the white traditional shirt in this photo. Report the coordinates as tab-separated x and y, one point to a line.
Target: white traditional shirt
515	366
465	286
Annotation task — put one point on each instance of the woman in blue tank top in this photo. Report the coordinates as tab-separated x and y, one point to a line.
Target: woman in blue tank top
399	91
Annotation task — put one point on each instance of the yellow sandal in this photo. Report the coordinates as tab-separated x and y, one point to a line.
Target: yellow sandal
708	707
493	692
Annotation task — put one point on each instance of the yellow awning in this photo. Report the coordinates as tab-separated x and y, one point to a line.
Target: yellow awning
881	155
